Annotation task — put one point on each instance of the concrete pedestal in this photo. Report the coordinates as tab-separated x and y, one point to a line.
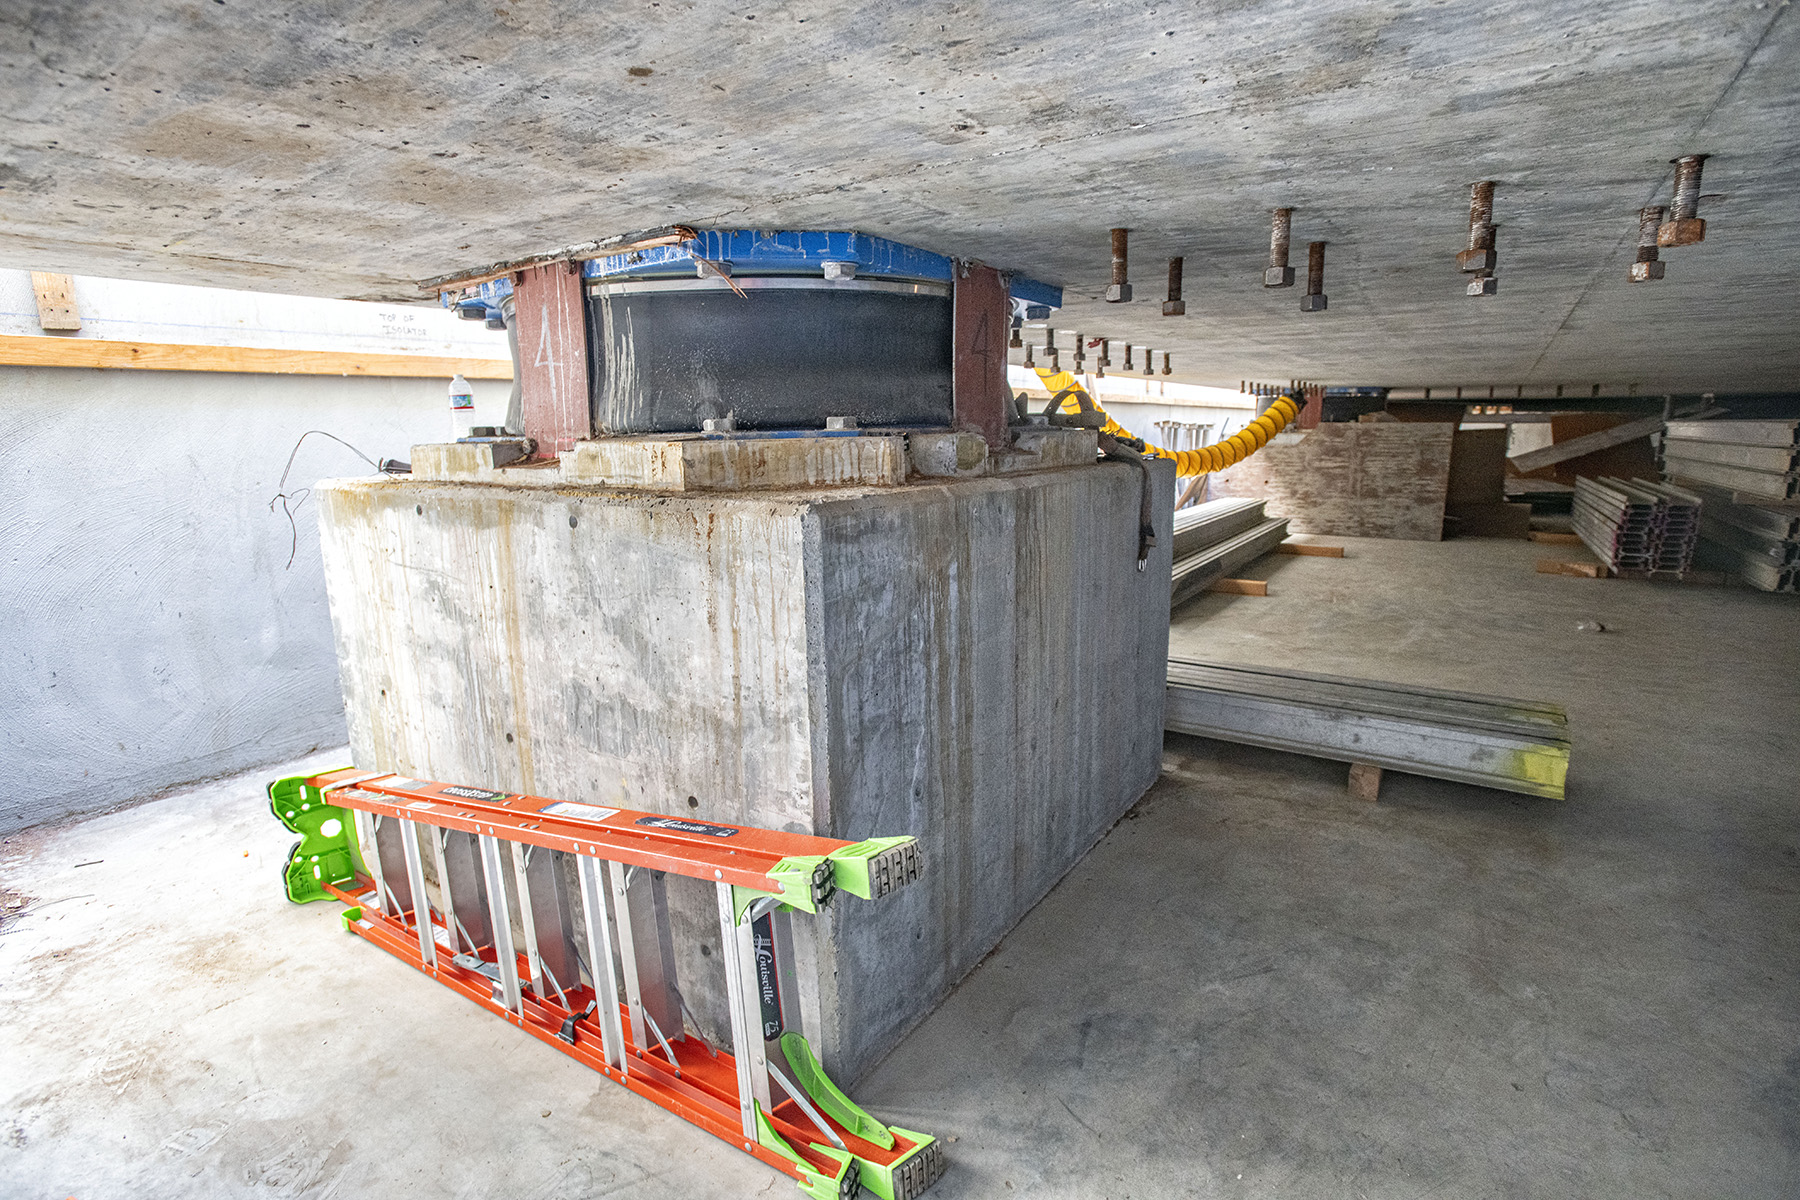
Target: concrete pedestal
976	662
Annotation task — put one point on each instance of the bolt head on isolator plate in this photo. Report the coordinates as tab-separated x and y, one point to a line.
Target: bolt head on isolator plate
1643	272
1313	303
1174	308
1118	293
1278	277
1487	285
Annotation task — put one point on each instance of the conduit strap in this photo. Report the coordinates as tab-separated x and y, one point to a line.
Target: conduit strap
1206	459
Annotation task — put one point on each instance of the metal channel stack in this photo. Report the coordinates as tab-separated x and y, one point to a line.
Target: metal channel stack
1679	520
1636	527
1755	460
1514	745
555	917
1216	538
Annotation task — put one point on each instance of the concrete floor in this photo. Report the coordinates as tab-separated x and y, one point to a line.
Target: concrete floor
1253	987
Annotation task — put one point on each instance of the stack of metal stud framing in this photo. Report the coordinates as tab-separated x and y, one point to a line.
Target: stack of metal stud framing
1755	460
1218	537
1636	527
1758	543
1515	745
1749	474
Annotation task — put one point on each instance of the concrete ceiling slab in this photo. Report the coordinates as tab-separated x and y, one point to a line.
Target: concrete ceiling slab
351	149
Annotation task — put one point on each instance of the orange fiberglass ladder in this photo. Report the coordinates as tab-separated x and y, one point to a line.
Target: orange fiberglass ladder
500	858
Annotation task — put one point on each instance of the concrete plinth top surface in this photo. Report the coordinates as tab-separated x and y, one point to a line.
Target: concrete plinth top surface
354	153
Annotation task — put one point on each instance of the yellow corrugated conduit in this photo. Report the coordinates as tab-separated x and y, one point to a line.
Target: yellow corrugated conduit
1216	457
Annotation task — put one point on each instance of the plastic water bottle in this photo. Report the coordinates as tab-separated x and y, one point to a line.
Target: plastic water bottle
462	408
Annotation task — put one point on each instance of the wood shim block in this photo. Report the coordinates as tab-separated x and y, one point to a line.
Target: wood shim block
1555	539
1580	570
1240	587
55	301
1310	550
1365	781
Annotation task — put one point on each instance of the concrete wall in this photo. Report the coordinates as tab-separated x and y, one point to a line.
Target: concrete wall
977	663
155	634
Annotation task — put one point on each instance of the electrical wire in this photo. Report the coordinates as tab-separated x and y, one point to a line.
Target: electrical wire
291	502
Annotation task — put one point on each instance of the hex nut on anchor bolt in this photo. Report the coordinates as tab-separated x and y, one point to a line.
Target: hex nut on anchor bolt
1648	266
1279	274
1174	305
1119	291
1480	255
1683	228
1314	300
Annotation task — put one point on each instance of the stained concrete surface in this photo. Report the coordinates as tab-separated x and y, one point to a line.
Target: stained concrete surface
353	150
1253	987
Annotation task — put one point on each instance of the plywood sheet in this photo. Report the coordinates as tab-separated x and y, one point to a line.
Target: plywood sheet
1478	467
1384	480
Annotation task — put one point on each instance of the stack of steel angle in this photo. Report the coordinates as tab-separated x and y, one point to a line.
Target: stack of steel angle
1216	538
1754	460
1636	527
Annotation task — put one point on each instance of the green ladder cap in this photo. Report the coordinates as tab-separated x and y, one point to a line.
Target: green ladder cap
811	1078
873	868
910	1174
326	851
842	1186
807	881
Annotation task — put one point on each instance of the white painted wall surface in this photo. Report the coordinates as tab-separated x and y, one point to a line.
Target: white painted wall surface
1142	389
155	634
126	310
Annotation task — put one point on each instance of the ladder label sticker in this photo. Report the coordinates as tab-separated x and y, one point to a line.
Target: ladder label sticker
719	831
768	991
469	793
587	812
